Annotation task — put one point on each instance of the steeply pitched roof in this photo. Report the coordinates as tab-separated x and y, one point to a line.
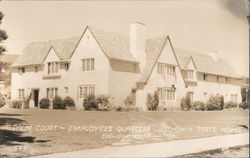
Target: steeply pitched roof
207	64
65	47
8	58
36	52
184	60
153	50
114	45
203	62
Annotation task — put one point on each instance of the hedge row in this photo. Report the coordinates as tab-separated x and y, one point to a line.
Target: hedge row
213	103
101	103
57	103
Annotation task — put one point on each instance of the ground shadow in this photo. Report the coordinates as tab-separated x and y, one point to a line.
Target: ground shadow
3	114
9	136
11	121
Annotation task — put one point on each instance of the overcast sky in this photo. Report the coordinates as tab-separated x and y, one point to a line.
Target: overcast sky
199	25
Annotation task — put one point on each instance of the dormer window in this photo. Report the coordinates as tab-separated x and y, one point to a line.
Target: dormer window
67	66
21	70
53	67
190	74
36	68
165	69
205	77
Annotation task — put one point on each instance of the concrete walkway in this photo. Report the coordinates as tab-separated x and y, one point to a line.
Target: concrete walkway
164	149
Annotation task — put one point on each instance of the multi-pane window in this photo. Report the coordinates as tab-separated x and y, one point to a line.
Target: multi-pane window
190	74
20	94
53	67
161	68
171	70
88	64
86	90
52	92
166	94
165	69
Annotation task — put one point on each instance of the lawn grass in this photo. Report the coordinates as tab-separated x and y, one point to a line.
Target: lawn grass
164	126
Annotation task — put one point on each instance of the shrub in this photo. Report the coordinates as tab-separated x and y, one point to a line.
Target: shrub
152	101
102	102
44	103
2	102
90	103
186	103
244	105
230	104
129	103
57	103
161	108
68	103
128	108
243	94
199	106
119	108
130	100
26	103
215	103
17	104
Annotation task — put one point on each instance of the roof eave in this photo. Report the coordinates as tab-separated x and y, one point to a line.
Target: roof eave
116	59
236	77
24	65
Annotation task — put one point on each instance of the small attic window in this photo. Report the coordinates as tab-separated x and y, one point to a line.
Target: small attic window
204	77
66	66
21	70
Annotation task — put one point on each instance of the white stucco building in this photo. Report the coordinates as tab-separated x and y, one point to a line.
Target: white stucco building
100	62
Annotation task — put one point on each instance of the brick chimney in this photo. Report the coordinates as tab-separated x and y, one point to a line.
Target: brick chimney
138	42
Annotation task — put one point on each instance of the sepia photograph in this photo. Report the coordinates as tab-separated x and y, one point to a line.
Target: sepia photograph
124	78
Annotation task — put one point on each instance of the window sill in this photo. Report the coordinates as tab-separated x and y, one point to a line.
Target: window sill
191	82
52	76
88	70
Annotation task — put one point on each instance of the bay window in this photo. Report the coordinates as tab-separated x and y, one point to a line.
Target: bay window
166	94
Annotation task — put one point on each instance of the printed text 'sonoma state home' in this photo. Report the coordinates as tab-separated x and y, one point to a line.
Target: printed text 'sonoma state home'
100	62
